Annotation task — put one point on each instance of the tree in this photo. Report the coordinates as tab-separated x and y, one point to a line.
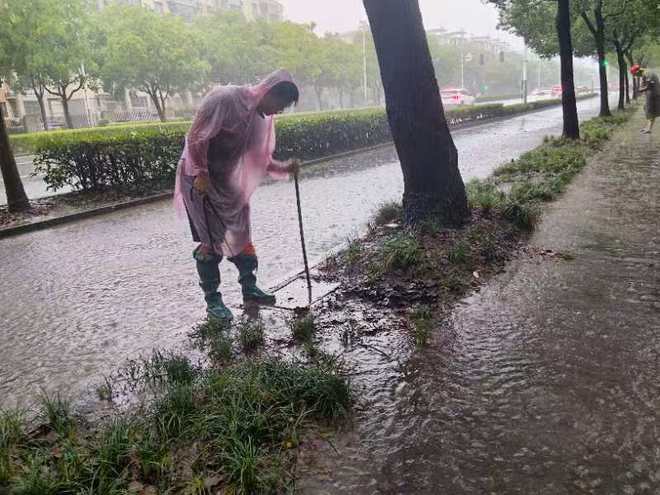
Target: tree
639	17
237	51
597	14
23	29
568	100
529	19
68	42
17	200
433	187
150	52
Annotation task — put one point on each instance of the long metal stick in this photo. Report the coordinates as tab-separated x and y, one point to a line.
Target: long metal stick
302	239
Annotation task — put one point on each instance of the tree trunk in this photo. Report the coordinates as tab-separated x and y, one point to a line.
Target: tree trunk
433	187
319	97
621	62
602	67
627	88
39	92
568	100
17	200
159	108
67	112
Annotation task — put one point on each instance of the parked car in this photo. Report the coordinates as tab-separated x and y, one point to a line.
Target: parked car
542	92
456	96
557	91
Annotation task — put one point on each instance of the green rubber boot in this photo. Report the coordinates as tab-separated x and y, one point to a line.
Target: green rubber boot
247	266
209	281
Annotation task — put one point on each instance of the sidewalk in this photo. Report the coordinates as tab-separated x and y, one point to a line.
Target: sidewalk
548	381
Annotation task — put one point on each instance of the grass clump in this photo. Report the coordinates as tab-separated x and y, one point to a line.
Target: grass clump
250	334
56	413
389	212
303	327
458	253
401	251
422	322
213	337
239	420
11	436
353	253
484	195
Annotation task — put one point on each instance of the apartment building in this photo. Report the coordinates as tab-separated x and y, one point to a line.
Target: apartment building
269	10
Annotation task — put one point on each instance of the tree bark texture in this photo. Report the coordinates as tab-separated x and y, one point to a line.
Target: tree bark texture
433	187
17	200
568	99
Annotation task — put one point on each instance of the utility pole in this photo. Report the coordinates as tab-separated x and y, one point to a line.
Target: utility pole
461	42
524	75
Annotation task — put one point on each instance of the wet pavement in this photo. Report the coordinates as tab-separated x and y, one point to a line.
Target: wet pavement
34	185
547	381
81	298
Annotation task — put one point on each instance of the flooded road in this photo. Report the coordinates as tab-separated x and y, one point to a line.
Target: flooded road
81	298
547	382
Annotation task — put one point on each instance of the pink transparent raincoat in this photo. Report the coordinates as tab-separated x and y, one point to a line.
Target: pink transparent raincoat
232	143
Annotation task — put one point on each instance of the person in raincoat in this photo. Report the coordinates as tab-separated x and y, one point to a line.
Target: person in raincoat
651	86
228	152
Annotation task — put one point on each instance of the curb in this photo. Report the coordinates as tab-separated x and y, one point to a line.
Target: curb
51	222
102	210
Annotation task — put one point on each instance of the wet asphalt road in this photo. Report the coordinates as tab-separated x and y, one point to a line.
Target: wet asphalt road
81	298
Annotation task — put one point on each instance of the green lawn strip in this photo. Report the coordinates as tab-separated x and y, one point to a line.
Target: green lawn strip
234	427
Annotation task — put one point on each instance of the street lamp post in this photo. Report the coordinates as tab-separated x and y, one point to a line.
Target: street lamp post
363	26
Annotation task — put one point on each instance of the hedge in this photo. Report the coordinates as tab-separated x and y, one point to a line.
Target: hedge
139	158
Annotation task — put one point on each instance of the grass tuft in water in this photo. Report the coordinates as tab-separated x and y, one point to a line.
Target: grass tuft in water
422	320
250	334
303	327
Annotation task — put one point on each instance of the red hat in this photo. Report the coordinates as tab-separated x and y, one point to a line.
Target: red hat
635	69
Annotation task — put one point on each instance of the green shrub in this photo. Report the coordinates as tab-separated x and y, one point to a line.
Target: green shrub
138	158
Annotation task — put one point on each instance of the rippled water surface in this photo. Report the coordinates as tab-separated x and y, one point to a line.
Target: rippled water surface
81	298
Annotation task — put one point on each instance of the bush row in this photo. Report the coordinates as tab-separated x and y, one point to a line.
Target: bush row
139	158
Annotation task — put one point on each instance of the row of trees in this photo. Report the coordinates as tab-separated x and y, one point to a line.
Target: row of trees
58	47
625	28
432	182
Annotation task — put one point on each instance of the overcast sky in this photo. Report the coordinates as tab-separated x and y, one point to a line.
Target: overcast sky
343	15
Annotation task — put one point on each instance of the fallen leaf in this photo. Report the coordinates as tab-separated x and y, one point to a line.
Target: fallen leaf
135	487
475	275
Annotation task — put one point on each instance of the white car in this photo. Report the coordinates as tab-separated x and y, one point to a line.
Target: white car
456	96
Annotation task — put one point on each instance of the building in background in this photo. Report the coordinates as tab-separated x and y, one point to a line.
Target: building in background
268	10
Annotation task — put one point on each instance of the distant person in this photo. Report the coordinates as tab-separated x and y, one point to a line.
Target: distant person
228	152
651	86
